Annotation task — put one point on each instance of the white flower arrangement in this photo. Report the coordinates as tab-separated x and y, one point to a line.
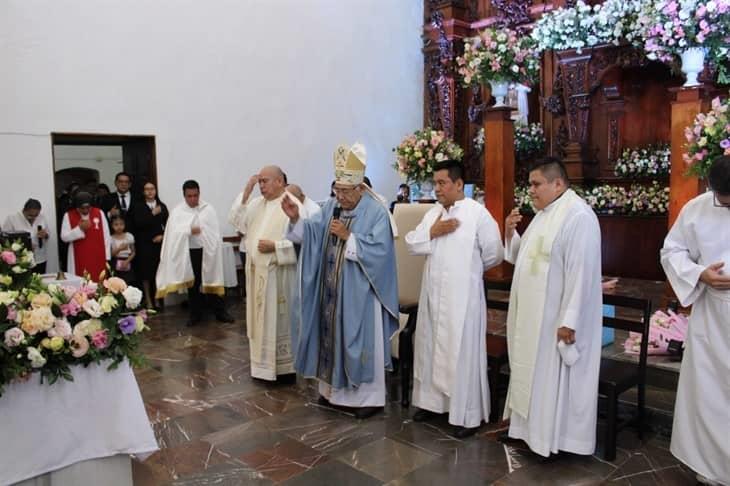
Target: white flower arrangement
529	140
651	161
583	26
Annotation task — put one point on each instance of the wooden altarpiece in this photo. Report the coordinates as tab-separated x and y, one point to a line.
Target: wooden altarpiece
592	104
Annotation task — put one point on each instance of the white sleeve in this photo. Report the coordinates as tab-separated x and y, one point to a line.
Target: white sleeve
679	258
490	241
512	248
285	253
69	235
107	238
418	241
237	214
351	248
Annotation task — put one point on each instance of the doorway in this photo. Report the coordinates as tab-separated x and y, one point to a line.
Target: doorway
90	162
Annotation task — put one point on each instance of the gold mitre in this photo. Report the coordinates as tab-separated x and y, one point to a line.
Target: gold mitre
350	164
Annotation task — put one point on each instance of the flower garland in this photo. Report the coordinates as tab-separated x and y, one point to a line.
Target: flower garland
672	26
499	55
649	161
418	153
638	200
708	138
46	329
529	140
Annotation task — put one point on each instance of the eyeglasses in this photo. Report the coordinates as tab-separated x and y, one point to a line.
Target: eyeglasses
343	192
716	202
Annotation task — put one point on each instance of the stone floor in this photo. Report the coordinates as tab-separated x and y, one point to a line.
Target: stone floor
216	425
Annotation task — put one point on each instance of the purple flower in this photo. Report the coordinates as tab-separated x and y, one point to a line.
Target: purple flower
725	143
127	324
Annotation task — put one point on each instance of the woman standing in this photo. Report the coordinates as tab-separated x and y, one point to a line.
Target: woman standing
150	219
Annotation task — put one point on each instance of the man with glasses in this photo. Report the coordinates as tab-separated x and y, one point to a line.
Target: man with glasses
120	203
345	308
696	259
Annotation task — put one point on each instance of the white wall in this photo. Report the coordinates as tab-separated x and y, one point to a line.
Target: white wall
225	86
107	159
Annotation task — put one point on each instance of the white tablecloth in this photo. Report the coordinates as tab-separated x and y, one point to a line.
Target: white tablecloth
45	428
69	279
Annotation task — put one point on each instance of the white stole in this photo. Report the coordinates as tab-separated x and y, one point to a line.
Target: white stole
264	220
449	313
527	299
175	273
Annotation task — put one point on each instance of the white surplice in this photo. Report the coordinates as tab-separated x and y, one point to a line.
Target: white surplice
701	430
18	222
269	280
310	207
450	357
562	400
69	235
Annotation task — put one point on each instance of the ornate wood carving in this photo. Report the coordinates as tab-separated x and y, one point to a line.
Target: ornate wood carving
441	84
613	141
476	107
512	13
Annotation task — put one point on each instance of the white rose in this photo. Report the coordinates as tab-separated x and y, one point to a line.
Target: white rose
36	358
17	269
133	296
92	308
515	68
16	247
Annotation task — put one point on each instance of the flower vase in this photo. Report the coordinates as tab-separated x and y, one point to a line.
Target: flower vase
693	62
425	189
499	91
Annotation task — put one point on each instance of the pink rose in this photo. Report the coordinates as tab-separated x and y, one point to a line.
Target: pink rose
68	291
13	337
79	346
100	339
70	309
89	289
12	314
62	328
8	257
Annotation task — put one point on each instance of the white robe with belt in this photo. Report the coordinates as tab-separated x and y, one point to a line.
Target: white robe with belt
701	431
450	358
269	280
563	400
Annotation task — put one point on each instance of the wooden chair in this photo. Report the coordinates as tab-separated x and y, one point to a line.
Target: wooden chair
497	355
410	271
618	376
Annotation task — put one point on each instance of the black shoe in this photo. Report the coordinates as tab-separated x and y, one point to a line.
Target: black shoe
193	321
288	379
366	412
464	432
323	401
224	317
424	415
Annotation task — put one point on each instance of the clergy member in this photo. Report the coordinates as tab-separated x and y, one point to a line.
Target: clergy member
191	256
308	205
450	356
85	229
345	307
554	318
270	274
696	259
32	221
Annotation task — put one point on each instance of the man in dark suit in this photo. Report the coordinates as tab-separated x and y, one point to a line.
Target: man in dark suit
121	201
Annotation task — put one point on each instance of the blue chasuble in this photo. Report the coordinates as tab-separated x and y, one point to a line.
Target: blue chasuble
333	304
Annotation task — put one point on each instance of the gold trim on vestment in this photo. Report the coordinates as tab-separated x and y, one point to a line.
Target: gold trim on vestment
176	287
214	289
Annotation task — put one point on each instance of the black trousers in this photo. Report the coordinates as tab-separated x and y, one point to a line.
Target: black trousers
195	298
40	268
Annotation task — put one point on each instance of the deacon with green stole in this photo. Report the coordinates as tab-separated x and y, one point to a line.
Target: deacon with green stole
345	306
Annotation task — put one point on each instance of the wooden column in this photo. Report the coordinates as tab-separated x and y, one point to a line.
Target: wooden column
687	103
499	173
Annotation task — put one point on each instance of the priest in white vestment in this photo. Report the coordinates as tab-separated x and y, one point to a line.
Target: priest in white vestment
32	221
696	259
554	320
270	273
450	356
191	257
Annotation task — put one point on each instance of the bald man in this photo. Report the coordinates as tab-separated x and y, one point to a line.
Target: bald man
270	272
310	207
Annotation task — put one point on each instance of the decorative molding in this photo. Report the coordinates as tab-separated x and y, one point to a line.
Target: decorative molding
440	80
560	140
613	139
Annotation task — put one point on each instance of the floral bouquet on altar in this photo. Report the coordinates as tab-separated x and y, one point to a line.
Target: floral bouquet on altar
418	153
644	162
672	27
708	138
48	328
529	140
499	55
16	265
647	200
663	327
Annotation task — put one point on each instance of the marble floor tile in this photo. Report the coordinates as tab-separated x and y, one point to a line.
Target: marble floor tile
333	473
386	459
284	460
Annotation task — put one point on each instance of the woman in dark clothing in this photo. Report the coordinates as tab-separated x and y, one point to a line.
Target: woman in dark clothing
150	219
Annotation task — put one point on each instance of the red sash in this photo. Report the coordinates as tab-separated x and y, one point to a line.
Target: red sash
89	252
